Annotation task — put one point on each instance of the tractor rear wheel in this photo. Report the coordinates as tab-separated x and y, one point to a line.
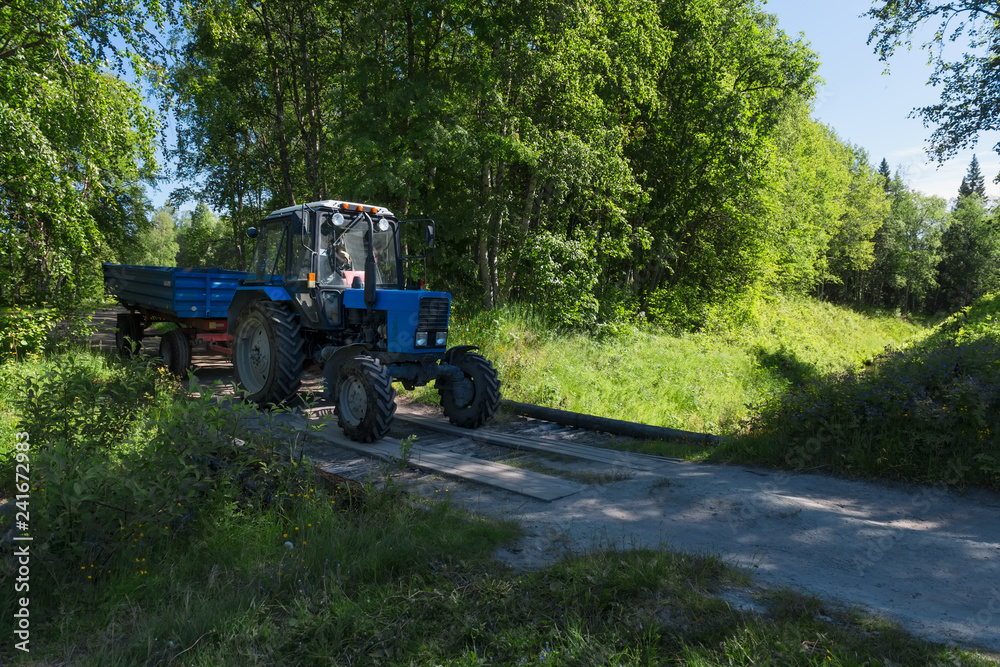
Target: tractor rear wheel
175	350
471	406
128	334
365	400
268	355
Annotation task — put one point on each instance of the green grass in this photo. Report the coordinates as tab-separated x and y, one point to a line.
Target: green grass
808	385
698	381
261	566
929	413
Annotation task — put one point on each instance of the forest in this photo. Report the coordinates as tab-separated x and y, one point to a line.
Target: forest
638	217
634	161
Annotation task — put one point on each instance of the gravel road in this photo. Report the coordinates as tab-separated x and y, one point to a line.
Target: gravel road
926	557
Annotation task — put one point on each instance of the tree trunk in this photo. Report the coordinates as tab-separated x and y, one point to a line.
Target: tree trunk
484	230
279	108
523	229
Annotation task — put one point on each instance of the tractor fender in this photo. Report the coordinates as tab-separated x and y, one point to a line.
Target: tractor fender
245	296
333	358
449	356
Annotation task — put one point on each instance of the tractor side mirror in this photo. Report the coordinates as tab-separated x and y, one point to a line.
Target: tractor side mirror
252	232
429	235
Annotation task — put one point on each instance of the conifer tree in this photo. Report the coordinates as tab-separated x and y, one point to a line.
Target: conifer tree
973	183
886	175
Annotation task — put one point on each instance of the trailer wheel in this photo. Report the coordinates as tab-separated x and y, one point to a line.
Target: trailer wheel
128	334
473	401
175	350
268	354
365	400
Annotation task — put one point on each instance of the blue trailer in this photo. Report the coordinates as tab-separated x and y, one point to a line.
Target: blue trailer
197	300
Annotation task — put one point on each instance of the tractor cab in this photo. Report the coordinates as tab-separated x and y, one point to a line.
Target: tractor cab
328	285
328	239
343	247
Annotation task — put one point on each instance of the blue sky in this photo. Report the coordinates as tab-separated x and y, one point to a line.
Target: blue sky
868	107
863	104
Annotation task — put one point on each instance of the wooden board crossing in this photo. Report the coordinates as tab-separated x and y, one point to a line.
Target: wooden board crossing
517	480
611	457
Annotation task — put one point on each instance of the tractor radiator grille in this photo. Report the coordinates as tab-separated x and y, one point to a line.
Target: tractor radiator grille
433	315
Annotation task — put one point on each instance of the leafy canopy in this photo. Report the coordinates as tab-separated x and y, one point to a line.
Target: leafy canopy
970	83
76	141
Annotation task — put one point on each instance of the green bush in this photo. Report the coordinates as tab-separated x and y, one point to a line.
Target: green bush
928	413
24	331
31	331
121	460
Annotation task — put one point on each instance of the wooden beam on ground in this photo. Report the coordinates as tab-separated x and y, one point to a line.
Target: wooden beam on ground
611	457
616	426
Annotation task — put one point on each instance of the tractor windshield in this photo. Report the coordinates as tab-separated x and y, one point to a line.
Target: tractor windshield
269	256
344	247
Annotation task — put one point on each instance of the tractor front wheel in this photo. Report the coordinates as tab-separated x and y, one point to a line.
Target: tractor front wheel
473	401
268	355
365	400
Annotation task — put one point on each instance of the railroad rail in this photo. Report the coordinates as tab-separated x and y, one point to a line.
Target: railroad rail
485	456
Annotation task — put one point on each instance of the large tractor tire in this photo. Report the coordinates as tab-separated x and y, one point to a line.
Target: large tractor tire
471	407
128	334
365	399
175	350
268	355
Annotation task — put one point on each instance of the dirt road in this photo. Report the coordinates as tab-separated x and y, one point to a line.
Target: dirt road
927	558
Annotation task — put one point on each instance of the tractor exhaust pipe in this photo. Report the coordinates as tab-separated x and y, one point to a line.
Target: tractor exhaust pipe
370	267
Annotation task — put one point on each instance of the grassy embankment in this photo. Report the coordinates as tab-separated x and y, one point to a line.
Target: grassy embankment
929	413
158	542
810	386
695	381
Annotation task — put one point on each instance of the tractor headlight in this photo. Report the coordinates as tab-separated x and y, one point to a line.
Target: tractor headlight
421	339
441	339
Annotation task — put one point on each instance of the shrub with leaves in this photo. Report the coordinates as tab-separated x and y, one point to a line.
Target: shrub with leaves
928	413
121	459
26	331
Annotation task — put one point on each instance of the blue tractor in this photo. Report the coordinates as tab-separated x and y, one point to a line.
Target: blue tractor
329	286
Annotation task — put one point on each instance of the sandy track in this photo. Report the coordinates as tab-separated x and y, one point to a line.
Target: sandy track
927	557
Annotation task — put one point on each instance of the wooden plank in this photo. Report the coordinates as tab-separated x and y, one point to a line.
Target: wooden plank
631	460
509	478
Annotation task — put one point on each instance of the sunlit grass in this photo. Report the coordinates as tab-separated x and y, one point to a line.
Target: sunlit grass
929	413
695	381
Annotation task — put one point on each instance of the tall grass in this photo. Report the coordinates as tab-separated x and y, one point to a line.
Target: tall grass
928	413
695	381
